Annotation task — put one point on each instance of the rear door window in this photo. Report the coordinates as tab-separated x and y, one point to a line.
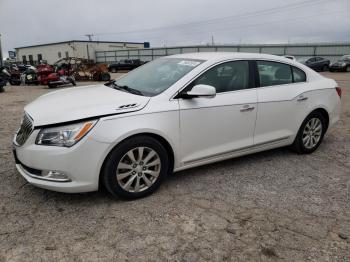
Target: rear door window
298	75
274	73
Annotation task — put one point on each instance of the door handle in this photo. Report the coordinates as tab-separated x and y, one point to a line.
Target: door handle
246	108
302	98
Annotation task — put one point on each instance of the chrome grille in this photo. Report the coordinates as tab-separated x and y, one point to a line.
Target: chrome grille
25	130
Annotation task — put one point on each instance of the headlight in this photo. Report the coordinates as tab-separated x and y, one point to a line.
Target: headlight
64	135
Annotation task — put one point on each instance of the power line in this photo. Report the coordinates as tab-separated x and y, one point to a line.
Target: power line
223	19
233	28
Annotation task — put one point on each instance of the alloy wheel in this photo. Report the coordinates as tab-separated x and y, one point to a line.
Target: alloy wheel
138	169
312	133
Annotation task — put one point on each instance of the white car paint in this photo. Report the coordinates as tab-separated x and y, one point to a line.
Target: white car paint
81	102
290	57
199	130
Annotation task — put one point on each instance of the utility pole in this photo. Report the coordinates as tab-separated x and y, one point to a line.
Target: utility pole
1	57
89	36
87	45
212	40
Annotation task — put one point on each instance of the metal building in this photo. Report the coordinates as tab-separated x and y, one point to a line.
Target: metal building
332	51
52	52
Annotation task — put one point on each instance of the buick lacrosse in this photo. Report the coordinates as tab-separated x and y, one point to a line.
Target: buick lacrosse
171	114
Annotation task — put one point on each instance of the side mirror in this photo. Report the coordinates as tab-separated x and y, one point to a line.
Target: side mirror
201	91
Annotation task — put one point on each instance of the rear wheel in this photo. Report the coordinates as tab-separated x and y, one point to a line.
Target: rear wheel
347	69
2	89
135	168
325	68
310	134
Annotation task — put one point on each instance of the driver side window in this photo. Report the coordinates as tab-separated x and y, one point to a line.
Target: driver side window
226	77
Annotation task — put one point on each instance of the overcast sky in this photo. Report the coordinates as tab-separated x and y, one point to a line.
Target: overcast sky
174	22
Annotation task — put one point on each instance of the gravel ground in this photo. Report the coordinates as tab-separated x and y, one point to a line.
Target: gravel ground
269	206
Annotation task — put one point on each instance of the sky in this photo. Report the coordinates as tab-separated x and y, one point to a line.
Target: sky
173	23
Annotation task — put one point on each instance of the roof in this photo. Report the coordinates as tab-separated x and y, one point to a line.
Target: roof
214	57
229	55
80	41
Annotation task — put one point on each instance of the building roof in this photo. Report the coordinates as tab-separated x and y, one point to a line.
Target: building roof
81	41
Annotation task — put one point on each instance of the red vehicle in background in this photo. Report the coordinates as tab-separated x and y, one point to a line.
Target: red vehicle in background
55	76
43	71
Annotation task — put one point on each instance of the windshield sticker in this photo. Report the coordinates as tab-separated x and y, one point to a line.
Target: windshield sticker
189	63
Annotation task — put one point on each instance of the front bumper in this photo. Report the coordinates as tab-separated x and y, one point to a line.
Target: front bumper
337	68
81	163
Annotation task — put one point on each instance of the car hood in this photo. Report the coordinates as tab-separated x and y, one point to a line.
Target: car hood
81	103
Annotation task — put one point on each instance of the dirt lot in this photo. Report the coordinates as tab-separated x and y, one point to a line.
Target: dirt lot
269	206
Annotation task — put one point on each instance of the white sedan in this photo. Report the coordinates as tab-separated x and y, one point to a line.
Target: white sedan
171	114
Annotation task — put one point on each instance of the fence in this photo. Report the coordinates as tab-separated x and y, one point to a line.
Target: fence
332	51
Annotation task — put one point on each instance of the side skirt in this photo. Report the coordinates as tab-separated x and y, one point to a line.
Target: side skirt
236	153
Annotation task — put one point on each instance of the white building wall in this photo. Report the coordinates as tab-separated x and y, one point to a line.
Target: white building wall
50	52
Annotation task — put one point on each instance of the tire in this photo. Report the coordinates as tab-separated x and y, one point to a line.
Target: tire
105	77
119	162
114	70
51	85
96	77
15	82
347	69
2	89
325	68
303	147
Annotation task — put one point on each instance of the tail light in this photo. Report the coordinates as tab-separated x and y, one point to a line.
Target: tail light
338	89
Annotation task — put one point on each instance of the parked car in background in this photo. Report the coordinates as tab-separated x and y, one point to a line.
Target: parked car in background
343	64
126	64
172	114
317	63
290	57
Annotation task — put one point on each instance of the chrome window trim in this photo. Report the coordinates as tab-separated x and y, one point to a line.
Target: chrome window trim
239	59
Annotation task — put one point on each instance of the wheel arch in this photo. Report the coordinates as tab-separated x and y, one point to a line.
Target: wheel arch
324	113
155	136
322	110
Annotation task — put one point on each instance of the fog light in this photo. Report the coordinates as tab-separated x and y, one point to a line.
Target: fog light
55	176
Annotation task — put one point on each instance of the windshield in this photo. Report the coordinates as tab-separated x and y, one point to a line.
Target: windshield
153	78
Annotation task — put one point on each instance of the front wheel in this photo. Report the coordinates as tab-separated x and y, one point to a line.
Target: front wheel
135	168
310	134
